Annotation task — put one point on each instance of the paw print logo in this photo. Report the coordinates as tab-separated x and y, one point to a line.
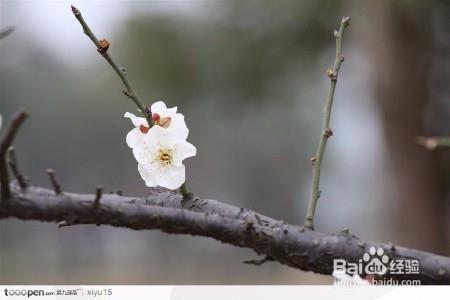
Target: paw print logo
376	261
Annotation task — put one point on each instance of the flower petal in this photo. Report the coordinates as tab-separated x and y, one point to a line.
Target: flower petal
183	150
136	120
178	127
171	177
161	109
135	138
148	173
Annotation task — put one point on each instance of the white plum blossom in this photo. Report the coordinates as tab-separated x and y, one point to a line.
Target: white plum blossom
160	158
160	149
161	116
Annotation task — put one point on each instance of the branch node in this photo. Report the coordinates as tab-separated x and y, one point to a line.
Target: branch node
315	243
104	46
54	181
328	132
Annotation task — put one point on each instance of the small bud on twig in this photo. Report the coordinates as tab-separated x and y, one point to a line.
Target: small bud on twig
328	132
103	46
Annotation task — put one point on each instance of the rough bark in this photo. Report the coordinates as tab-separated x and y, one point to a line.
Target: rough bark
171	213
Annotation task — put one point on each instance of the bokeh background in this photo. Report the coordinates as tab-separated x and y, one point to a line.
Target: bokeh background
250	78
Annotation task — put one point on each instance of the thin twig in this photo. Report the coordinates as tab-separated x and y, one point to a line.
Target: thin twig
102	48
431	143
54	181
13	165
326	130
6	142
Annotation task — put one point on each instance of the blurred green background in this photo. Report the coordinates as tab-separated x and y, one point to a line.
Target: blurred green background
250	78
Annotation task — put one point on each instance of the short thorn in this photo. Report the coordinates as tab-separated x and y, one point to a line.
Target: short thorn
12	161
55	184
63	224
118	192
98	195
345	230
361	244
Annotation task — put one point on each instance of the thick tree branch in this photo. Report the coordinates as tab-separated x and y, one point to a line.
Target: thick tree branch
169	212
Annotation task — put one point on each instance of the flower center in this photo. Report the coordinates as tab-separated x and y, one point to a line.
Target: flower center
164	157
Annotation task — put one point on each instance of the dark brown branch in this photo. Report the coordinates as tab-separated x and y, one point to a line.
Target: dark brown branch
5	144
167	211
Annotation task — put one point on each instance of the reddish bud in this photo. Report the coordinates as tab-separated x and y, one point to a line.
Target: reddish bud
143	128
155	117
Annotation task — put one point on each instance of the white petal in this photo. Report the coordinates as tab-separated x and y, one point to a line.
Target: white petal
148	173
135	138
144	155
171	177
178	127
161	109
183	150
158	136
136	120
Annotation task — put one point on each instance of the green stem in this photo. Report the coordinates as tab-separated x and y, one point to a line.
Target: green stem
130	93
326	131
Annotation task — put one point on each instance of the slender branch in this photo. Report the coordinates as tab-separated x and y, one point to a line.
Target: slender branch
431	143
5	144
102	48
326	130
290	245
